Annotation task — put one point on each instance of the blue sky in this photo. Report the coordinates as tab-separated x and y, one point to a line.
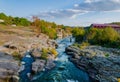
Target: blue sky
67	12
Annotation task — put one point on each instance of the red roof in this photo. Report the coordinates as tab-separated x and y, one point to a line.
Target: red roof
105	25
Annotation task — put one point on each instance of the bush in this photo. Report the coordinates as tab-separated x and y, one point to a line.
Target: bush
118	79
54	52
76	45
44	54
83	45
107	37
16	55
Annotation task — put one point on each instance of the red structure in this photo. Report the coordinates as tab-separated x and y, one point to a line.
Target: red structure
116	27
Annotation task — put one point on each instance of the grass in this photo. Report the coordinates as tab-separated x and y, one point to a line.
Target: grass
83	45
16	55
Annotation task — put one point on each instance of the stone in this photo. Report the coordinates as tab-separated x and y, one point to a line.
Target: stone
38	65
8	66
50	64
94	61
36	53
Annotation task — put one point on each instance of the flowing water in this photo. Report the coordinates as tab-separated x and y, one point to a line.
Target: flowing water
65	71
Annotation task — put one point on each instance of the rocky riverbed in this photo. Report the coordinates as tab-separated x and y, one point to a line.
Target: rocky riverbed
16	43
102	64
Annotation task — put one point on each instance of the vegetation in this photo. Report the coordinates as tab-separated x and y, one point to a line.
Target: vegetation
48	28
79	34
106	55
16	55
107	37
39	26
9	20
82	45
116	23
118	79
45	52
54	52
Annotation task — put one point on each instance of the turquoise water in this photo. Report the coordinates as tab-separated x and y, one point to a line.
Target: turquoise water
65	71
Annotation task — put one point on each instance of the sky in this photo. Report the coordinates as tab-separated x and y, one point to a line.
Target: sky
67	12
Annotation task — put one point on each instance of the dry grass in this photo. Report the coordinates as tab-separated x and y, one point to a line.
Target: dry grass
9	33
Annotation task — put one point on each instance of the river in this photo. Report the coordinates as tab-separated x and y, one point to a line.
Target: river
65	71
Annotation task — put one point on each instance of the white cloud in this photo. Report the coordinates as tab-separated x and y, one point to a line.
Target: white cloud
99	5
88	1
76	5
82	8
68	13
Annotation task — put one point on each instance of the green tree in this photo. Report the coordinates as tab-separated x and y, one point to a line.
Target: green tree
3	16
79	34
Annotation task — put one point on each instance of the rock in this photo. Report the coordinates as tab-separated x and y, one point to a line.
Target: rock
10	46
72	49
102	64
38	65
61	68
36	53
8	66
50	64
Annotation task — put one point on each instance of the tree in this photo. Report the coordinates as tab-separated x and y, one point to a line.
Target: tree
79	34
24	22
36	24
3	16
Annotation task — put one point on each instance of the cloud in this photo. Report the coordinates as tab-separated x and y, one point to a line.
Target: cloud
82	8
99	5
67	13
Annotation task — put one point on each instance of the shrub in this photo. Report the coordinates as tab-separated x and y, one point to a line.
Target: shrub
44	54
107	37
118	79
76	45
54	52
83	45
16	55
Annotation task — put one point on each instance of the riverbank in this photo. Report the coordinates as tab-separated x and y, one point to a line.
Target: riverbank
15	41
102	64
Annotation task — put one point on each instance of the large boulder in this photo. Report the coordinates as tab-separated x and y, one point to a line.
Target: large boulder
38	65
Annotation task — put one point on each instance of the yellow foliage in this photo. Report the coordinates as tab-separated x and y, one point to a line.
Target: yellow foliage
53	51
44	54
118	79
